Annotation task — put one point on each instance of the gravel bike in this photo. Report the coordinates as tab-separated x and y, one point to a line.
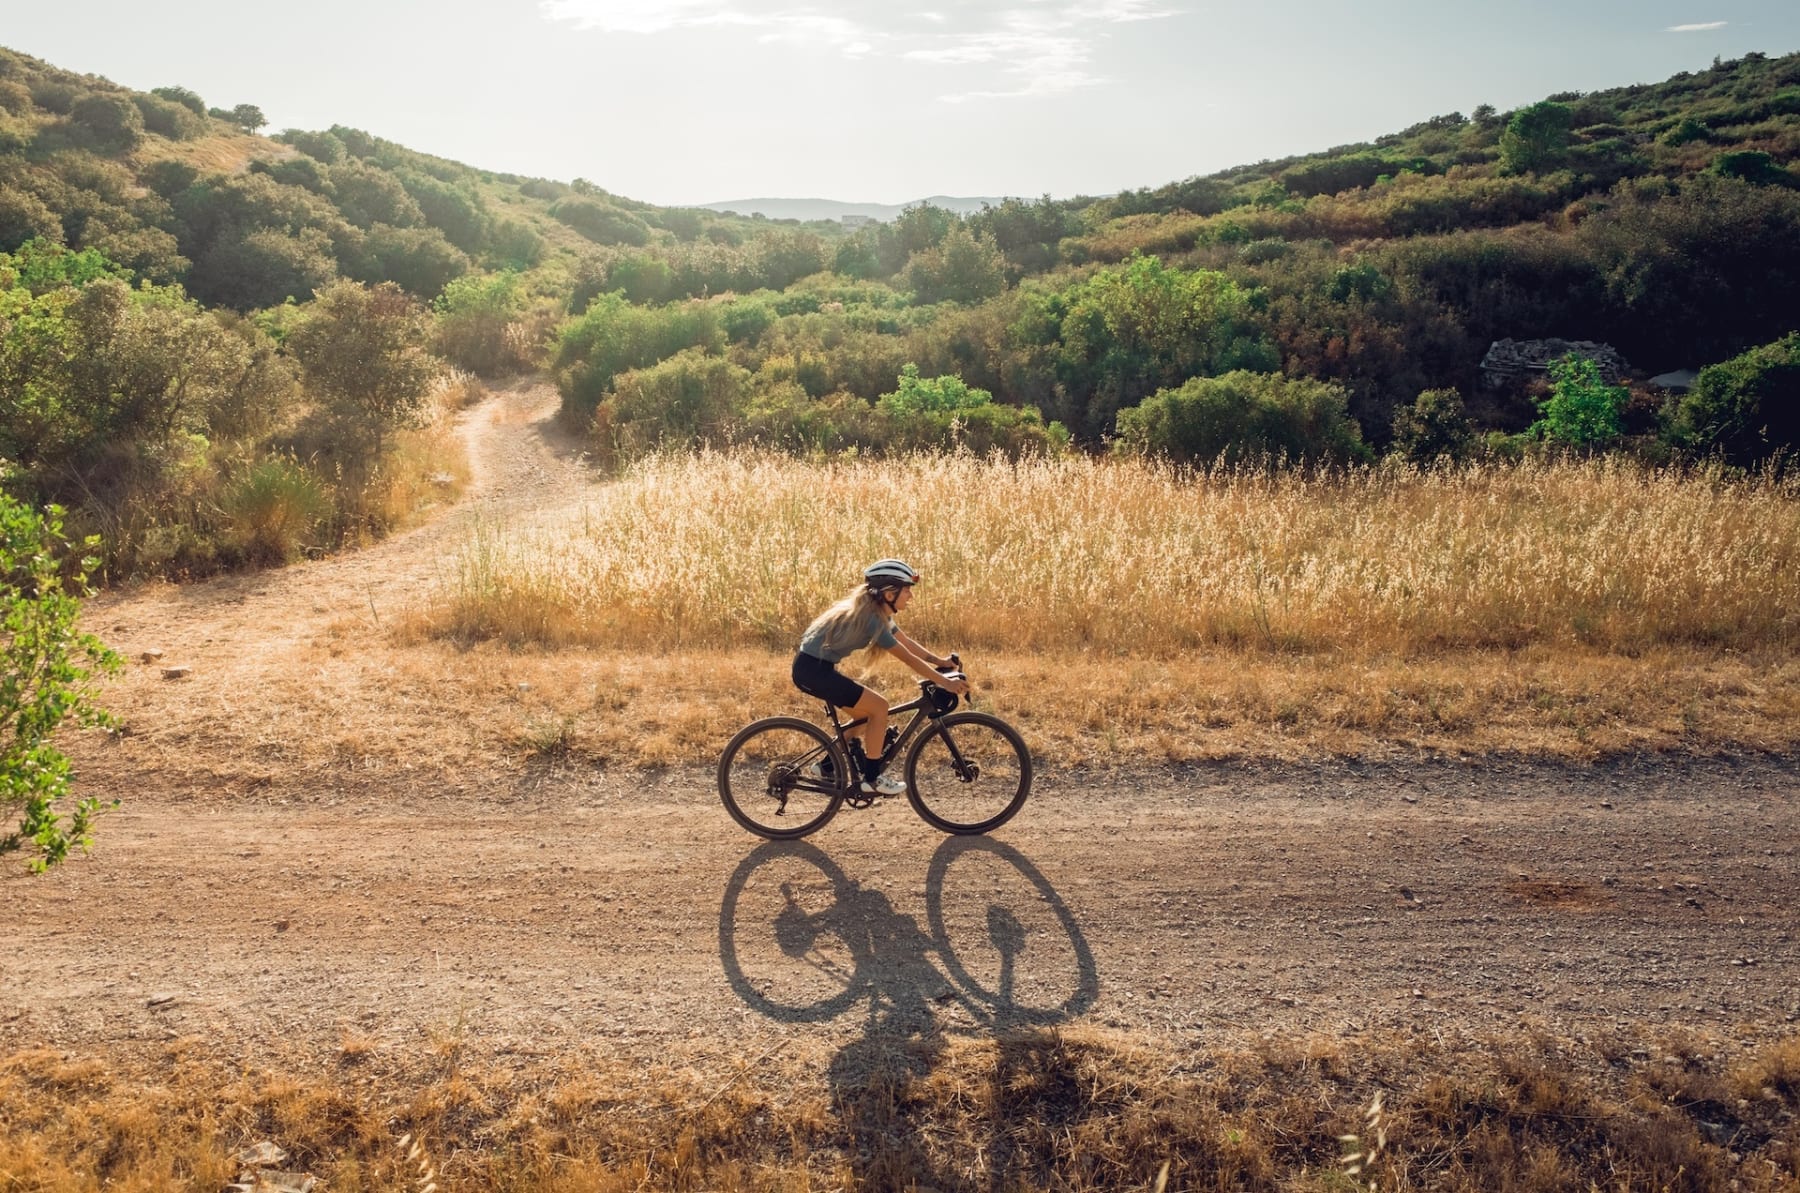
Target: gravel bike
966	772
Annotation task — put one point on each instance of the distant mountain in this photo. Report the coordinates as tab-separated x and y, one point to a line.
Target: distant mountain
833	209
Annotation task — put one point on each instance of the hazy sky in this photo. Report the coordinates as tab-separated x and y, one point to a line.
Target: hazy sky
691	101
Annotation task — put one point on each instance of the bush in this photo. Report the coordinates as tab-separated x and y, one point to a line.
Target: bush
687	401
1755	167
108	123
1582	411
960	268
418	260
1434	427
1244	416
47	678
262	268
363	349
274	511
478	325
513	245
1747	409
168	119
454	210
182	96
600	222
1536	138
613	336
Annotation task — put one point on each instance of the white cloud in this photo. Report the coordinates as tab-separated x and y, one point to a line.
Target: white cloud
1703	27
1029	47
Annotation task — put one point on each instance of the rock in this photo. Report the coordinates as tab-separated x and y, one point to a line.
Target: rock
284	1182
150	656
160	1000
177	672
261	1155
1508	361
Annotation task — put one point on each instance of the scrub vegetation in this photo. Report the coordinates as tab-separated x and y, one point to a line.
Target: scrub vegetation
1205	470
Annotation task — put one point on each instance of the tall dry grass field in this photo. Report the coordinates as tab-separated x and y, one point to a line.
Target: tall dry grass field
1133	559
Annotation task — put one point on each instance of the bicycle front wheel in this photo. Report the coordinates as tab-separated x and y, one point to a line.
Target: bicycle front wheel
968	773
779	778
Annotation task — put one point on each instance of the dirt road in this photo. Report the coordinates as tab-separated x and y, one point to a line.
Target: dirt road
523	913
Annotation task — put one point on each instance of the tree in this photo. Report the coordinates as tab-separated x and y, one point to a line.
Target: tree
1582	411
48	673
248	117
1536	138
363	349
960	268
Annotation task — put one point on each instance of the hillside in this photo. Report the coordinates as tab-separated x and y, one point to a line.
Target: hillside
1329	308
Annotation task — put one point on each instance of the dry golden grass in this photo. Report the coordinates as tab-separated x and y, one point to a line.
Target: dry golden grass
1072	1110
1121	612
1137	560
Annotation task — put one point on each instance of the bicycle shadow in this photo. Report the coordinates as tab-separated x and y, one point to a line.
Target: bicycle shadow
803	942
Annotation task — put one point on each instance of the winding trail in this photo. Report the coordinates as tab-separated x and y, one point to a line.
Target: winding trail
276	916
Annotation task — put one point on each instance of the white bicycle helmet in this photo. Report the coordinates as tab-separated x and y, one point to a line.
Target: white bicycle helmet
888	573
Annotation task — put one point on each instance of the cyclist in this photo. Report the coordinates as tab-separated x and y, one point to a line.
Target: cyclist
865	618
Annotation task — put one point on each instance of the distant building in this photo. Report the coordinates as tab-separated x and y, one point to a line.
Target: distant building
858	221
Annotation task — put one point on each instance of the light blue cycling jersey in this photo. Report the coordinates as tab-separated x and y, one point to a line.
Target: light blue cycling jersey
859	633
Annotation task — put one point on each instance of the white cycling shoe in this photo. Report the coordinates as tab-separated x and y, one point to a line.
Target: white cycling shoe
884	784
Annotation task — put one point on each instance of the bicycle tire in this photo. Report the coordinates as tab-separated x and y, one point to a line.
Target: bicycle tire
968	773
761	784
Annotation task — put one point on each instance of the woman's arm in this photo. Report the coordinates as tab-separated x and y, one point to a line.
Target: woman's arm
910	653
907	641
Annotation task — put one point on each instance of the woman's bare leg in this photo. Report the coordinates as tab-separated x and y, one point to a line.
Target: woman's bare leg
873	710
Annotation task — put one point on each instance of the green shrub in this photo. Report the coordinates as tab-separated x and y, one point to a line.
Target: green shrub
1244	416
687	401
513	245
168	119
363	349
1434	427
418	260
478	324
275	510
1755	167
182	96
1747	409
1582	411
15	98
48	672
960	268
600	222
613	336
25	217
1685	130
109	123
1536	138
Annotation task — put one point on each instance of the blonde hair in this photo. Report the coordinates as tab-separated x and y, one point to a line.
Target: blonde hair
858	604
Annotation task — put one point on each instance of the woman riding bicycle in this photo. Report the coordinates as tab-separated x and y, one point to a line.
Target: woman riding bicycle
866	618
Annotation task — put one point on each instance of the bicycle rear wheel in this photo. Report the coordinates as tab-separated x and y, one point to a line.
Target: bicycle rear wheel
968	773
764	779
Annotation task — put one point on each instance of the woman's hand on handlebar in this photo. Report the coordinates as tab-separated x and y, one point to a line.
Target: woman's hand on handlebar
951	676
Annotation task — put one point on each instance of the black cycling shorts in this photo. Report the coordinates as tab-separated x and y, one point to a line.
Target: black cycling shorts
818	678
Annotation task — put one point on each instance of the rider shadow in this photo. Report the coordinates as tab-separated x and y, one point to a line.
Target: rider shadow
801	942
